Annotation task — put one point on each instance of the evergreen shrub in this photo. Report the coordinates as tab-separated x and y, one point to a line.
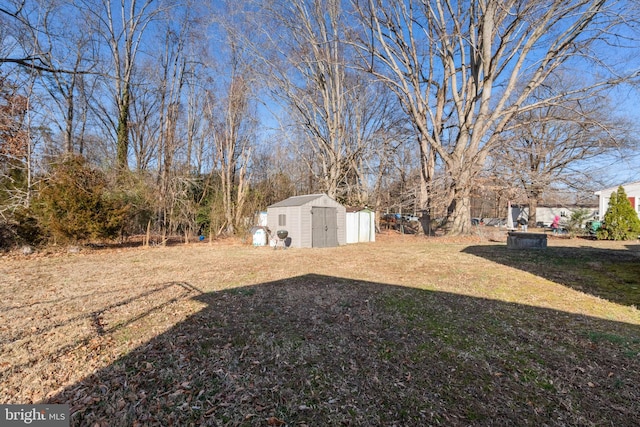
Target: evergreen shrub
621	221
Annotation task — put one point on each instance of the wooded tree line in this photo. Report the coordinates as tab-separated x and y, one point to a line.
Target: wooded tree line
188	117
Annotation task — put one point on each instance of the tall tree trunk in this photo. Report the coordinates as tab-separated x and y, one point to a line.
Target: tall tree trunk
427	170
533	196
122	145
68	131
477	58
458	219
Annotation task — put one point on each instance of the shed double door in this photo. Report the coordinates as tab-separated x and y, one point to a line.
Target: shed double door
324	227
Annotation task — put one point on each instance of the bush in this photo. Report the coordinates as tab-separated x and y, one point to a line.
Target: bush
28	230
25	232
74	204
7	236
18	226
575	225
621	221
136	191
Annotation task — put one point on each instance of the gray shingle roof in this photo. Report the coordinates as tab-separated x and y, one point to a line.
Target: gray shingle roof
296	200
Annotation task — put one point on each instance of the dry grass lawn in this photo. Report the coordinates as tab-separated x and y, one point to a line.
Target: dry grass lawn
404	331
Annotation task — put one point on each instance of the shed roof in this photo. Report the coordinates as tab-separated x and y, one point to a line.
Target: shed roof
358	209
296	200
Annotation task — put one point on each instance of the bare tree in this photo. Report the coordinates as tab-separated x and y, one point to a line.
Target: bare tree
22	124
144	125
195	150
273	174
232	126
173	63
122	26
463	70
27	24
159	104
19	135
377	127
13	108
553	145
70	48
327	103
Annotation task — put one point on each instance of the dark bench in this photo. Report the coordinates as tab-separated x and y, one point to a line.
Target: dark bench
520	240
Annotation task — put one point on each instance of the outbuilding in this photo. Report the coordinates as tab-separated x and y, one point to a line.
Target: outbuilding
545	214
361	225
632	190
312	221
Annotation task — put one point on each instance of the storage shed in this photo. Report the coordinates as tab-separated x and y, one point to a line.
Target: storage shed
313	221
361	225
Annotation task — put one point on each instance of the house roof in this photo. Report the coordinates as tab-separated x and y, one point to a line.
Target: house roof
297	200
610	190
568	206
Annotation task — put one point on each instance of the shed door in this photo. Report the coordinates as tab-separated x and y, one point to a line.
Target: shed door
324	227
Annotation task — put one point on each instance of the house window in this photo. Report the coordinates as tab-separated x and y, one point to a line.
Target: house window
282	220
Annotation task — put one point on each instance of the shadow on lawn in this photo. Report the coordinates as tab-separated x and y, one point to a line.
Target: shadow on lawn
58	331
612	274
318	350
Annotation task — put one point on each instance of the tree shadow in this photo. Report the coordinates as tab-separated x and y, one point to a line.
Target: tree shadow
612	274
634	248
56	330
321	350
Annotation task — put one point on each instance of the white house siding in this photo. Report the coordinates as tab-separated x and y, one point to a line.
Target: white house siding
632	190
546	214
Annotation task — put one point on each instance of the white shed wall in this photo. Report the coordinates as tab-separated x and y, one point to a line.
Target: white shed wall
352	227
292	220
360	227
